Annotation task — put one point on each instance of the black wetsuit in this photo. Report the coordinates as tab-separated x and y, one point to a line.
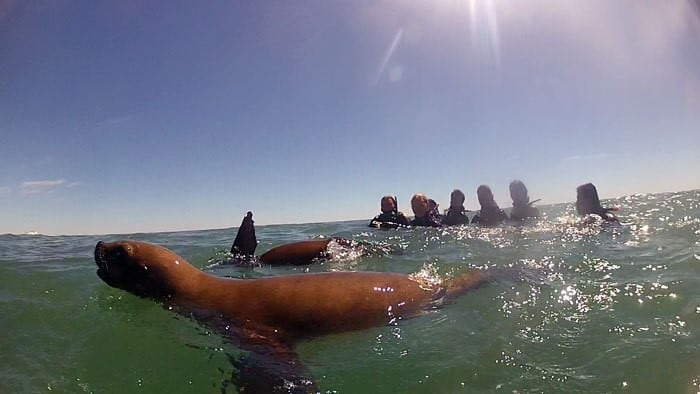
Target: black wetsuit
392	219
426	221
522	212
490	216
455	217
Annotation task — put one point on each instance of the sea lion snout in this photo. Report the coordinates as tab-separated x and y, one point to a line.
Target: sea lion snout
113	261
139	268
101	261
101	256
113	252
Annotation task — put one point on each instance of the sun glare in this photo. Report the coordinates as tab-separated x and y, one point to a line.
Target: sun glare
387	56
481	21
477	19
483	28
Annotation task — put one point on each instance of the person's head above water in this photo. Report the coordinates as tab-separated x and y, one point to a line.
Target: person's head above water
518	192
420	205
587	200
485	196
457	199
433	206
388	204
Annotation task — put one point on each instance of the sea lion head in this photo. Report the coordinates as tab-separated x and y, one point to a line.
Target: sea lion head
142	269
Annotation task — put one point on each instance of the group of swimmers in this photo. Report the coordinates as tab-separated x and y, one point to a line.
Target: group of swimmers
427	214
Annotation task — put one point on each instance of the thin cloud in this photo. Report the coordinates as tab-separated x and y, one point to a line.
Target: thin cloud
44	186
594	156
5	190
113	121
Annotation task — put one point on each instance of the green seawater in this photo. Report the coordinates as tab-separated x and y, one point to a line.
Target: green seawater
598	309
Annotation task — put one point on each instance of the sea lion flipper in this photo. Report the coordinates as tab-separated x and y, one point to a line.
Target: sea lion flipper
272	365
245	242
259	373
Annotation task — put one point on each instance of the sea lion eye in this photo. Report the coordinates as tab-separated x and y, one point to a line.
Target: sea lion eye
115	254
120	252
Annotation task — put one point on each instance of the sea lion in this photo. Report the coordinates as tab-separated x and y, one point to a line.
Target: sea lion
295	253
268	315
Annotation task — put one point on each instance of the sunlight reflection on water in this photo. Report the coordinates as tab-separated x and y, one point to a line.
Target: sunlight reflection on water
592	307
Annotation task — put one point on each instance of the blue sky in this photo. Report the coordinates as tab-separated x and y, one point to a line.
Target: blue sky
120	117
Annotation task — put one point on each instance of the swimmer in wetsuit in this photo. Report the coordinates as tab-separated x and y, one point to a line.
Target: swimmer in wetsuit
455	214
424	216
390	217
522	207
588	202
434	210
490	214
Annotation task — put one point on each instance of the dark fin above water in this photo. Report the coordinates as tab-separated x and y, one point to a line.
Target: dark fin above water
245	242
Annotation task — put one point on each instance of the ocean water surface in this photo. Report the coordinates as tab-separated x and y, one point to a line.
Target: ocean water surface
598	308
